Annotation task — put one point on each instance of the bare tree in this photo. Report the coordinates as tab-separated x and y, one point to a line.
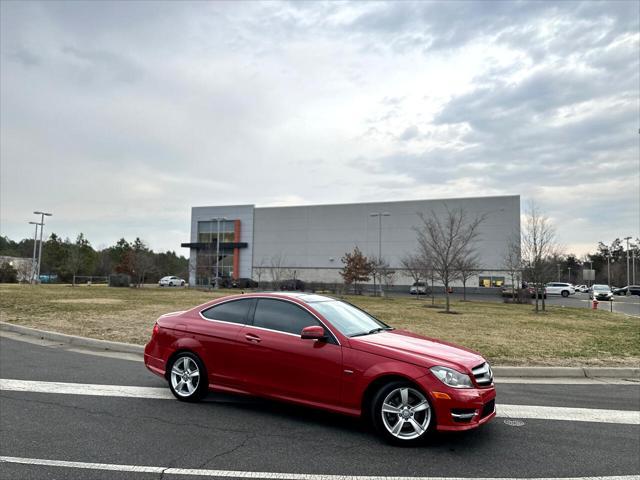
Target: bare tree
259	271
386	274
466	267
277	270
414	267
444	240
512	263
538	247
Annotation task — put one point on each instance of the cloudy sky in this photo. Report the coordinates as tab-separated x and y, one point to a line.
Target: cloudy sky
120	116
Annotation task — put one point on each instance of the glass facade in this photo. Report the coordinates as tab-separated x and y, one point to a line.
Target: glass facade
206	257
490	281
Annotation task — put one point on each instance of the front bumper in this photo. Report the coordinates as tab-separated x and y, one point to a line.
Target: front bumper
465	409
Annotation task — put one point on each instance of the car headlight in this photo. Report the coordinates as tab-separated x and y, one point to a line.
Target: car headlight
452	377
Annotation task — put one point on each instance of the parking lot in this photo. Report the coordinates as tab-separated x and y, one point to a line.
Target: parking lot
109	418
628	305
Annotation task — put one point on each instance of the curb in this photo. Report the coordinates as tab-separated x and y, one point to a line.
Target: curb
73	339
518	372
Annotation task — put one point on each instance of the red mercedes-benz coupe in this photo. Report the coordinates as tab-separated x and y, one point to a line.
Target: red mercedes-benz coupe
326	353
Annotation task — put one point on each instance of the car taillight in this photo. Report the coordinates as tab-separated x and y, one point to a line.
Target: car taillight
155	330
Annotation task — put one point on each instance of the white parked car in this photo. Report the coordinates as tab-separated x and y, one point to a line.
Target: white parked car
600	292
418	288
558	288
582	288
171	282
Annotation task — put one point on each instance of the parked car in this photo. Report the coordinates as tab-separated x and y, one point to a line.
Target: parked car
531	287
322	352
244	283
582	288
292	285
600	292
632	289
559	288
171	281
418	288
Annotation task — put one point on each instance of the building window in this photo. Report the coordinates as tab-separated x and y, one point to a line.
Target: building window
490	281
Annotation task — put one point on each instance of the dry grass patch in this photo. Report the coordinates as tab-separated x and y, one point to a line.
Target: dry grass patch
507	334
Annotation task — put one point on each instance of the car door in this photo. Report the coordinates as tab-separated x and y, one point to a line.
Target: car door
218	330
552	289
283	364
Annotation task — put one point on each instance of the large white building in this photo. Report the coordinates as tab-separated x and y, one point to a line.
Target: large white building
309	241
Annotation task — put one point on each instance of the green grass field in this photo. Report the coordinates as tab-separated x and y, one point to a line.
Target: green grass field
506	334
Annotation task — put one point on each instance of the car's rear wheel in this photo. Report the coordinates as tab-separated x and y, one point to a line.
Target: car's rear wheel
401	413
565	293
188	377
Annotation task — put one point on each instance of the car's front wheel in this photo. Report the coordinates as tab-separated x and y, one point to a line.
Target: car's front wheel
401	413
188	377
565	293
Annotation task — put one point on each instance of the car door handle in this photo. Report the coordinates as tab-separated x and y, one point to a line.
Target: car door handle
252	338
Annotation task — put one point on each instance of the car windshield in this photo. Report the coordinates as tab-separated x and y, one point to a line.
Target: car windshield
601	287
348	319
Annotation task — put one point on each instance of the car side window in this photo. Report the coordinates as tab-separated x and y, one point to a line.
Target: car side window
234	311
282	316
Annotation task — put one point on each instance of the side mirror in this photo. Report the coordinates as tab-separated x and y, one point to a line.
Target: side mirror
314	332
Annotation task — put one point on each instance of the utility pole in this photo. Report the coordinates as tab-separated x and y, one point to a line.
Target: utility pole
558	265
569	274
33	258
609	268
628	278
43	214
379	215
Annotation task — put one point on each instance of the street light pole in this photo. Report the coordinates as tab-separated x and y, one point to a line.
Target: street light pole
43	214
33	258
558	265
379	215
609	269
628	279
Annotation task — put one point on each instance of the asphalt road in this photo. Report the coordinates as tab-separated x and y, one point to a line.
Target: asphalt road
252	435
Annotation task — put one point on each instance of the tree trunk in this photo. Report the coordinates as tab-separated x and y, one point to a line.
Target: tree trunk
464	290
446	290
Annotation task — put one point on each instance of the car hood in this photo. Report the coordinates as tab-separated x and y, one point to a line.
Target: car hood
417	349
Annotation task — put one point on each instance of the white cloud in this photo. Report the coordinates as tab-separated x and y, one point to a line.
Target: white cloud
120	117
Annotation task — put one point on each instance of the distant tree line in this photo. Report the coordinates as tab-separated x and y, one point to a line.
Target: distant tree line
66	258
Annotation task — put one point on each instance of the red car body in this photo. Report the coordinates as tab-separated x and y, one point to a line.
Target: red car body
338	376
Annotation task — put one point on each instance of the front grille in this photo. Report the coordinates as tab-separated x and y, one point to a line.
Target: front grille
488	408
483	374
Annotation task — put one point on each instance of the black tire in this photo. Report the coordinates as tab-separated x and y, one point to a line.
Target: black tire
182	284
376	414
200	389
565	293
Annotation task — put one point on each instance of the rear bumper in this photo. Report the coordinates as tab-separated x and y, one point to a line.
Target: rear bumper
464	409
154	364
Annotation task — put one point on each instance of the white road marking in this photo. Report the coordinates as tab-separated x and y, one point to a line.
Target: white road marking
84	389
260	475
597	415
625	417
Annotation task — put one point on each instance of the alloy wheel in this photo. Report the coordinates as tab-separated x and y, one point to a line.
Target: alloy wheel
185	376
406	413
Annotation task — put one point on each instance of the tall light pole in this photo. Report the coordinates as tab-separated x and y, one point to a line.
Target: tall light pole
628	279
33	258
633	266
42	214
609	268
379	215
